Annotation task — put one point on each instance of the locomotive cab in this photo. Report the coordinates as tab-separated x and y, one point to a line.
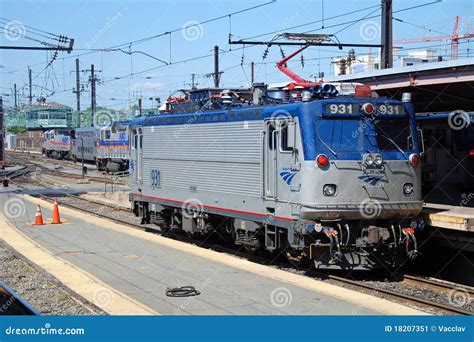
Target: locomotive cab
362	175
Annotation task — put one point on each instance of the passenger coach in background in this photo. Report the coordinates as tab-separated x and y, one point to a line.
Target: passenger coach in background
334	179
85	144
449	158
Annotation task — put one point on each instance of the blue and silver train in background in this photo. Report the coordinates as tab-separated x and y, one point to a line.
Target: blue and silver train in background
113	147
448	164
304	172
106	147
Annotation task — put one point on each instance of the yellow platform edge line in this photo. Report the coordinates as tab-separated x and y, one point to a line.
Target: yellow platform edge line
360	300
78	280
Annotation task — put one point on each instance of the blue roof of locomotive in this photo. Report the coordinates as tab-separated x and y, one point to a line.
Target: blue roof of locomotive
251	112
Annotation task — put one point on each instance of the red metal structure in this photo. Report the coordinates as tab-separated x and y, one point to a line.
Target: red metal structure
362	90
299	81
455	37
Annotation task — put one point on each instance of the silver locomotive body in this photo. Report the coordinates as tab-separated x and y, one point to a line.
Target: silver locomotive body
313	179
57	143
113	147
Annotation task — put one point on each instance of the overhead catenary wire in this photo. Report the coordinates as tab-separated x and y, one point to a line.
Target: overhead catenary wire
141	40
111	49
31	30
209	55
419	26
54	36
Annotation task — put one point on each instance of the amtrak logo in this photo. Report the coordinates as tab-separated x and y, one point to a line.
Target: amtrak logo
288	176
372	180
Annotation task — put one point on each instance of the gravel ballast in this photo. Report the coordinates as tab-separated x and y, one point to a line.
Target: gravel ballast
38	288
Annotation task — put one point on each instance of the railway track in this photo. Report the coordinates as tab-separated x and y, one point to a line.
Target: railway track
12	304
438	286
40	157
404	297
27	159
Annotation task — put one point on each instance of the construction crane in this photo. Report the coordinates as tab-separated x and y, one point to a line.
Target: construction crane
454	38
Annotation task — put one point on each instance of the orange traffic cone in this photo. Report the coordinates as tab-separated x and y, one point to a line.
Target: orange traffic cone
38	217
56	218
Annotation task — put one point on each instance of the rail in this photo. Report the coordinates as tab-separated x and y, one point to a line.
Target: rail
12	304
119	182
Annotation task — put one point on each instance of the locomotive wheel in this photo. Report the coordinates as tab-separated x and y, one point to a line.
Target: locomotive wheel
295	258
252	250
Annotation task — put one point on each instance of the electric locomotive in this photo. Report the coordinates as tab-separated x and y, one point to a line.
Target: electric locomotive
112	147
334	179
57	143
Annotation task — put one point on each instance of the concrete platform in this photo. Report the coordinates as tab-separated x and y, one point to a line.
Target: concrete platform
449	217
139	266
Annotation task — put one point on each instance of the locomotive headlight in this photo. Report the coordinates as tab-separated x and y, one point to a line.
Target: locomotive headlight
378	160
408	188
369	160
329	189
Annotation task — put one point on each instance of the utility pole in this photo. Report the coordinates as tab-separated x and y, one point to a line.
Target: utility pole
216	67
140	105
77	91
252	73
387	37
2	140
193	84
14	94
93	80
93	99
30	96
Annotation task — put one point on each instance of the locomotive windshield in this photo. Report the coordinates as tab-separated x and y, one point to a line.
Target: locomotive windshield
362	134
339	135
393	134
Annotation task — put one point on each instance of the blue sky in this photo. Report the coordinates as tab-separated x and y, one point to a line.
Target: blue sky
101	24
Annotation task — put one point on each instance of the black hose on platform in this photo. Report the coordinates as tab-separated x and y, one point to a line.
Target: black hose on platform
183	291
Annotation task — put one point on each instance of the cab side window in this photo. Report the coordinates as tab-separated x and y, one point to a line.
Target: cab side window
284	138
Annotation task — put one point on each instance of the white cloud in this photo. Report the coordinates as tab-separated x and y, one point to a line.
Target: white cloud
146	85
